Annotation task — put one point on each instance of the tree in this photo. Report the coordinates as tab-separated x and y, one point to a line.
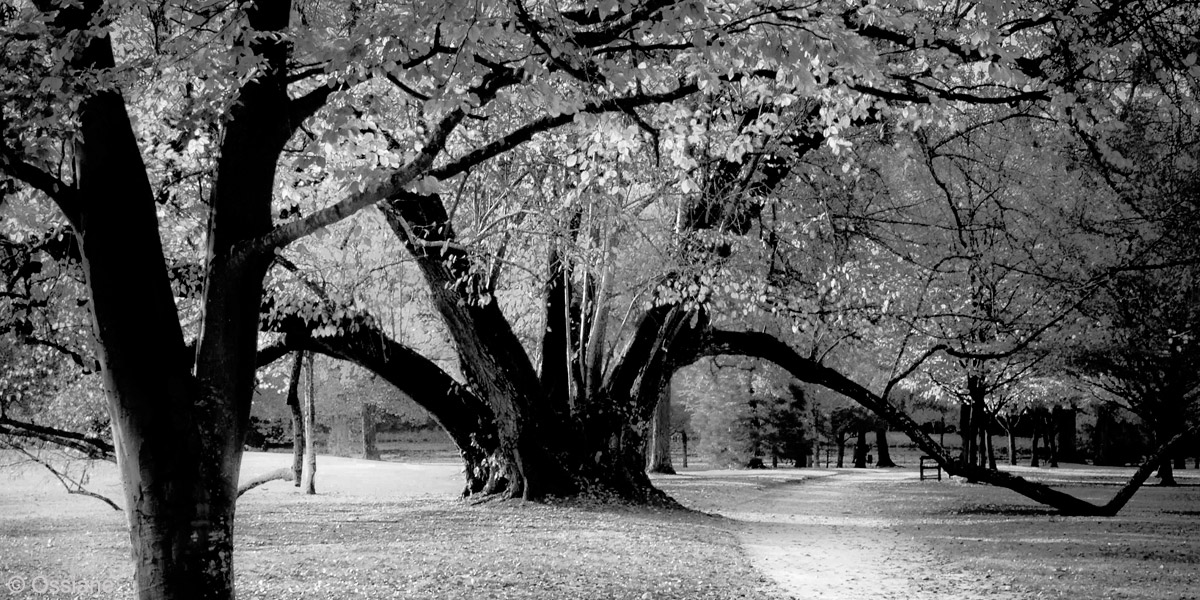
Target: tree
481	80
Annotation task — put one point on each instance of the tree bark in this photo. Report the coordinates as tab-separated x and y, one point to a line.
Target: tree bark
841	457
660	436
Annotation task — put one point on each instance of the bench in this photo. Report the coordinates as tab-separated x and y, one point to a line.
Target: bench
929	464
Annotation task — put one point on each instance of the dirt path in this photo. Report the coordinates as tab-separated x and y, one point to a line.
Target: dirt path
834	537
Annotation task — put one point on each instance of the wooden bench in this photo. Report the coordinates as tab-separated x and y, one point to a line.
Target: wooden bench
929	464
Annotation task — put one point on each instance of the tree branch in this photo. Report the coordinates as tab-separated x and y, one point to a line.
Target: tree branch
90	446
546	123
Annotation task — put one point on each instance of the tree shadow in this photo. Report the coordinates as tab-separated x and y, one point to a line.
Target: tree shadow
1008	510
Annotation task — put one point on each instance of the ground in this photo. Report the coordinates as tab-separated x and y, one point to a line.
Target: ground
395	530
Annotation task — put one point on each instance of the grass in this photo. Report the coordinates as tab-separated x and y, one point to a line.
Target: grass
386	530
394	530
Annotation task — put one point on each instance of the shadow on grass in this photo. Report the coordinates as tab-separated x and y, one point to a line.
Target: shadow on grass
1008	510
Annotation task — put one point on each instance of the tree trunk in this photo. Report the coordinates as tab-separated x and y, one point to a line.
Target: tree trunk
1012	446
841	459
293	402
885	454
683	441
530	425
369	422
1033	442
991	448
860	450
1166	473
966	432
1052	441
1065	419
179	418
308	477
660	436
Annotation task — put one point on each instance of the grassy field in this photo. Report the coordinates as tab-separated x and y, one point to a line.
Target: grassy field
395	530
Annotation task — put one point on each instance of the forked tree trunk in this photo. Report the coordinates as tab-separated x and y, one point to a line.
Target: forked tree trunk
179	418
660	436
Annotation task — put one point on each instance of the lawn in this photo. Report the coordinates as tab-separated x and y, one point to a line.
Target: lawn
396	530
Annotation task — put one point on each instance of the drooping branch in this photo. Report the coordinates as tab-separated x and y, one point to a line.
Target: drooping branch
463	415
770	348
283	474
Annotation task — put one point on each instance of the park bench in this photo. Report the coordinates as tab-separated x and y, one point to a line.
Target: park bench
928	463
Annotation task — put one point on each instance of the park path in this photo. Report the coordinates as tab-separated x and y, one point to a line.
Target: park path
835	537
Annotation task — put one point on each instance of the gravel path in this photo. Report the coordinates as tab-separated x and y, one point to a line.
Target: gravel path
835	536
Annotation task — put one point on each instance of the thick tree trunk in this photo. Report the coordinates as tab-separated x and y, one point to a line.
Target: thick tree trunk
885	454
369	422
293	402
660	436
529	427
178	425
841	456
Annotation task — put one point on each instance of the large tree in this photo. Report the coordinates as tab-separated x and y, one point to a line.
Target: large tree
123	114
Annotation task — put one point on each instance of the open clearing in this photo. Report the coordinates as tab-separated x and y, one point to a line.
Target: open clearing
395	530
